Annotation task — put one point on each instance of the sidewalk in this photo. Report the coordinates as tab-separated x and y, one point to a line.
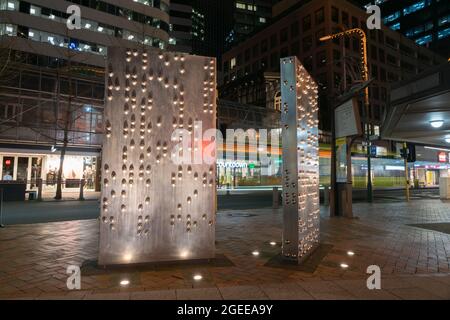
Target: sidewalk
399	237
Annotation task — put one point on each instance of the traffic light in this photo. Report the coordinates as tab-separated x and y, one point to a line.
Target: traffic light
408	152
411	152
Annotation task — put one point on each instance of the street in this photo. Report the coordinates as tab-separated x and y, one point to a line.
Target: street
53	211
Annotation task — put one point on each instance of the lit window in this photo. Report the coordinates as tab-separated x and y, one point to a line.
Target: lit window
416	7
444	20
392	17
395	26
425	39
51	40
262	19
444	33
240	5
233	63
11	5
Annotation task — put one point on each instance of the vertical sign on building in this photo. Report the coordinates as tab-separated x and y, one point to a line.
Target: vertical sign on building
154	208
300	140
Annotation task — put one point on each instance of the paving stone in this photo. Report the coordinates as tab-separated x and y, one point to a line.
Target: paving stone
34	258
154	295
285	291
413	294
199	294
243	293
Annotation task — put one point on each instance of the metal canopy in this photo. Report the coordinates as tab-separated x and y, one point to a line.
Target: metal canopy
417	102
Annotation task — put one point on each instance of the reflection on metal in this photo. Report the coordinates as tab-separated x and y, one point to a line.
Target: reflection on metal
153	209
299	121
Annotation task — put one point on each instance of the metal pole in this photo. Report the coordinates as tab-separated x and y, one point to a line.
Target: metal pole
405	150
367	111
82	182
1	209
39	183
275	198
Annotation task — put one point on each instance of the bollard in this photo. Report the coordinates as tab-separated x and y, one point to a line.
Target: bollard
39	185
275	198
82	181
228	189
326	196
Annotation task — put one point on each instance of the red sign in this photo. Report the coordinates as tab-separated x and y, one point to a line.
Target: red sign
442	157
7	162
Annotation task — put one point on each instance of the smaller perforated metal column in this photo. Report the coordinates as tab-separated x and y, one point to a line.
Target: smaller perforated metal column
300	138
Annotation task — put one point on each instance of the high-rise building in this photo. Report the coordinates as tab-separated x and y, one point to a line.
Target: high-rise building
52	80
248	15
182	25
251	68
427	22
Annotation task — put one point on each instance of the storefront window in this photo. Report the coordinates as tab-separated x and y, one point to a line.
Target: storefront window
8	167
22	169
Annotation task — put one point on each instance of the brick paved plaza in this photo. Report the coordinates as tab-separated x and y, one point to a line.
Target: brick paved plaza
409	241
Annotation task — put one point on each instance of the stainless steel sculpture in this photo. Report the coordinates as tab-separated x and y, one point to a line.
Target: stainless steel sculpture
152	208
301	212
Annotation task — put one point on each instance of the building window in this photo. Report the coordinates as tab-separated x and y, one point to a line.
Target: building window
320	16
294	30
392	17
392	60
374	52
374	71
420	29
277	101
306	23
345	20
284	35
416	7
424	40
335	14
391	42
395	26
274	61
255	50
262	20
381	55
321	59
337	57
264	45
240	5
444	20
444	33
307	43
273	41
247	55
232	63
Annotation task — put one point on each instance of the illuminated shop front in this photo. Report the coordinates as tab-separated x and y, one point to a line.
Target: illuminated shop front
30	165
388	170
241	173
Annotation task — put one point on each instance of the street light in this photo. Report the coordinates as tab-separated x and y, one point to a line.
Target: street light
365	78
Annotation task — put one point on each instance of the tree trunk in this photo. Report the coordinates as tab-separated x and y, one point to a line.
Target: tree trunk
68	119
58	195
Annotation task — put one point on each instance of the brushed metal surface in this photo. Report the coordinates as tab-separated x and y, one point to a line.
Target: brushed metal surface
301	212
153	209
